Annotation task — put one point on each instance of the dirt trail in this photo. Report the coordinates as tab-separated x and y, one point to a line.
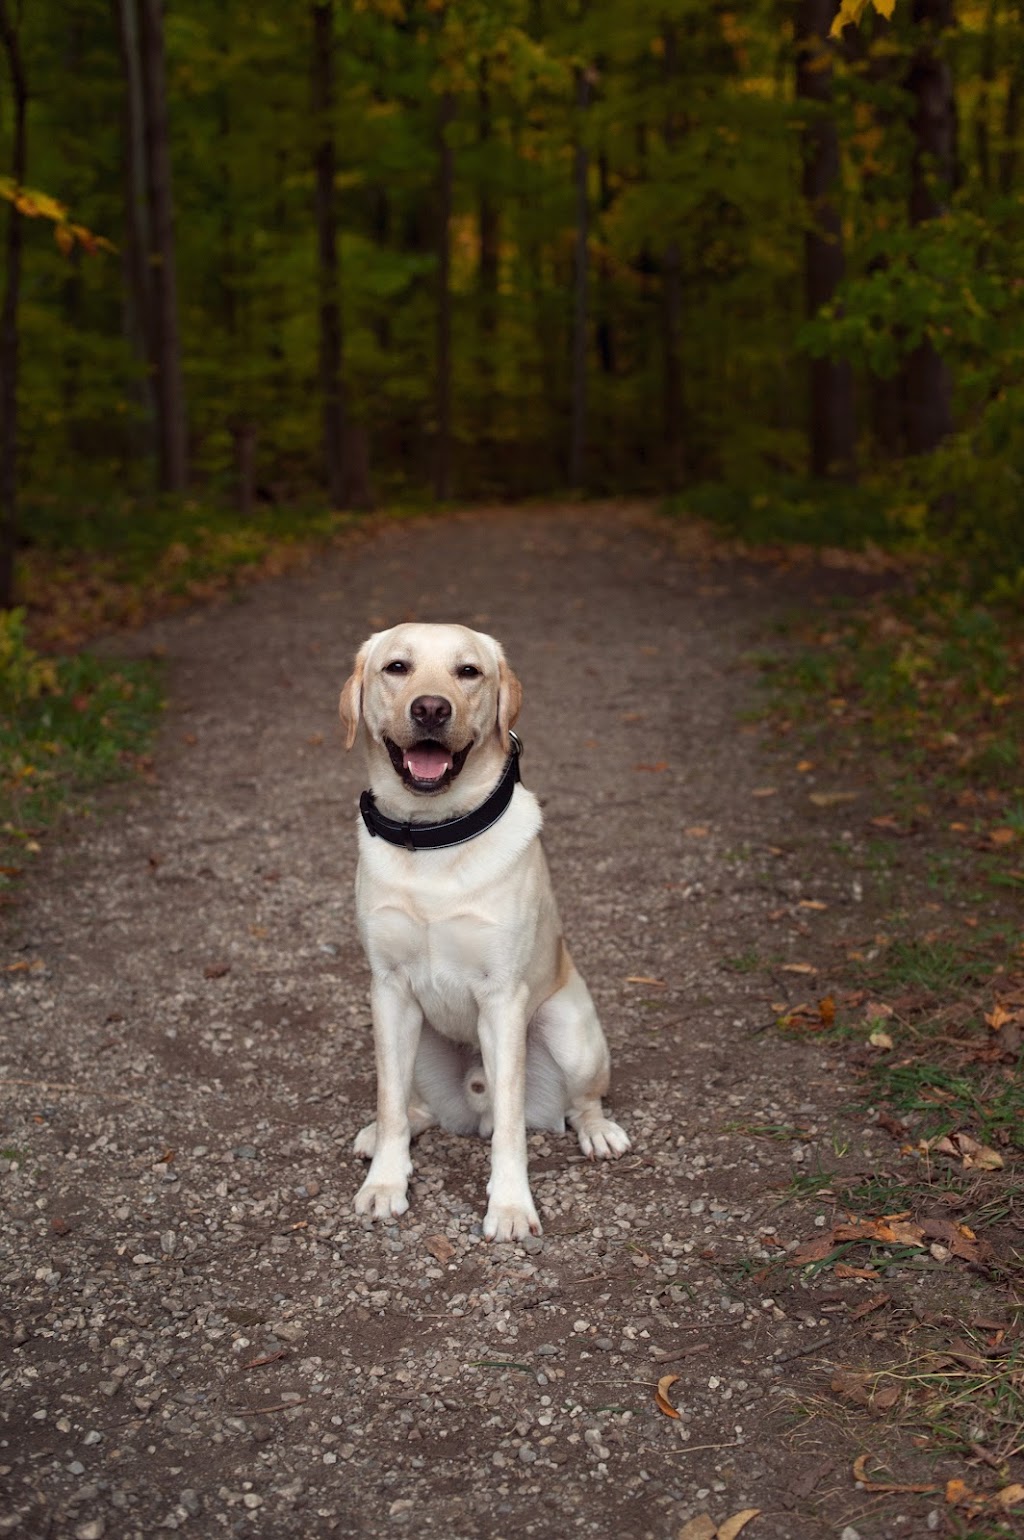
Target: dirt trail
201	1335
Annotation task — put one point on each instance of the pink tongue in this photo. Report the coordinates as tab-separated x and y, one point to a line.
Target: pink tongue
428	762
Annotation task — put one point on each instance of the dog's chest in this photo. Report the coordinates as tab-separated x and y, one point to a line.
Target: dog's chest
446	963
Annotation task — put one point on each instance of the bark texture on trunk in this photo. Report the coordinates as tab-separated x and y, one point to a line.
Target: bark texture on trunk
443	356
929	80
673	427
9	336
581	316
324	169
164	334
831	420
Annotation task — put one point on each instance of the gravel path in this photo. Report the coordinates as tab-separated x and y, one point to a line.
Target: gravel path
201	1335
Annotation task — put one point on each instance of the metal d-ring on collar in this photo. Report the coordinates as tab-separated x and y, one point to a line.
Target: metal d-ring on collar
450	831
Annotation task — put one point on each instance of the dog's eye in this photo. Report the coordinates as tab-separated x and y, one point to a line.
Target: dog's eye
396	667
468	671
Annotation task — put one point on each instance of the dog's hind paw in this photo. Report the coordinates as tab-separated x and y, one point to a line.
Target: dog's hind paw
601	1139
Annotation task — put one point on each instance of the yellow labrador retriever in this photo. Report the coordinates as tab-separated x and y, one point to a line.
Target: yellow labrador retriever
481	1022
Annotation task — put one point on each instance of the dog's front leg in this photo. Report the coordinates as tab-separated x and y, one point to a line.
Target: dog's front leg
397	1022
510	1212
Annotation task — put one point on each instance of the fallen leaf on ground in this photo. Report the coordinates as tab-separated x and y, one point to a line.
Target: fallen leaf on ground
827	1010
975	1156
852	1387
642	978
216	970
731	1527
811	903
875	1303
832	798
656	768
440	1247
764	791
1011	1496
815	1250
798	968
880	1039
860	1474
661	1395
703	1527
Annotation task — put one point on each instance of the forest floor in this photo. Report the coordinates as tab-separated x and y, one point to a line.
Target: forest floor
200	1333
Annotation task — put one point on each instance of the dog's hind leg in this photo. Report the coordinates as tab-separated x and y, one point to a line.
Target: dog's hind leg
568	1026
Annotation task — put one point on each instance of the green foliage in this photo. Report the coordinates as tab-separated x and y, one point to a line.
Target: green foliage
66	725
793	509
694	144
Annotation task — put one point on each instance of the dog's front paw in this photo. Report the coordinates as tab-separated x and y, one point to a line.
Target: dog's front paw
511	1221
601	1139
382	1200
366	1142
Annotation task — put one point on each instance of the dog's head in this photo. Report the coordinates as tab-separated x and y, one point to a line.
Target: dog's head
437	703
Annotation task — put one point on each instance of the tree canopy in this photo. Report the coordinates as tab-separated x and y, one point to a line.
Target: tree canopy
635	246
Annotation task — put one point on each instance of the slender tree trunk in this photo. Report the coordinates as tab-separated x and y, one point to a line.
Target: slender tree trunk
832	425
489	259
1011	121
331	389
443	360
9	317
929	81
581	318
165	339
982	105
673	428
135	244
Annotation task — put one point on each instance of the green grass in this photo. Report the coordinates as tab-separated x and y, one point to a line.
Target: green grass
93	566
792	510
67	726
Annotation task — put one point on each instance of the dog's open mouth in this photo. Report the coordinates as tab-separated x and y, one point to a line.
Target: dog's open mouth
427	766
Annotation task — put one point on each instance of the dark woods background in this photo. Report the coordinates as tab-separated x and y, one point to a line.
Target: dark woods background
386	249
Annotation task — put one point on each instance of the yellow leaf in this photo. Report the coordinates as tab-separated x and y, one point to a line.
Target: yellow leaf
983	1159
880	1039
1011	1496
731	1528
832	798
701	1528
661	1395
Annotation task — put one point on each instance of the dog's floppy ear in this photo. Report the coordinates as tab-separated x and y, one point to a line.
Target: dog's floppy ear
350	706
510	698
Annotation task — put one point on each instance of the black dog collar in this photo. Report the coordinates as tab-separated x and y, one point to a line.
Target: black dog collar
451	831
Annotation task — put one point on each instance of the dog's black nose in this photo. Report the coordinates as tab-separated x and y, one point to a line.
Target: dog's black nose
430	711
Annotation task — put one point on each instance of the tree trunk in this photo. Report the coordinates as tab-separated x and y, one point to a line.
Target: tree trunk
580	327
489	260
929	81
443	361
673	431
135	244
331	388
165	340
982	105
1011	116
9	319
832	425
